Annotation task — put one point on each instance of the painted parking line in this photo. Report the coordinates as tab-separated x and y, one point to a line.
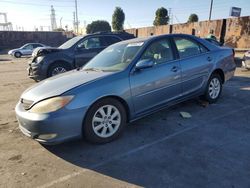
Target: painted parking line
130	152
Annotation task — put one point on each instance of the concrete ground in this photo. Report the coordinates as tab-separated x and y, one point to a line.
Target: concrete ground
210	149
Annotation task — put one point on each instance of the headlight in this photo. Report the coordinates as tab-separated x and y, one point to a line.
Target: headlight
39	59
51	105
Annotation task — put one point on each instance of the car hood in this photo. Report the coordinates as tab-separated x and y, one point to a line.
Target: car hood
59	84
40	51
13	50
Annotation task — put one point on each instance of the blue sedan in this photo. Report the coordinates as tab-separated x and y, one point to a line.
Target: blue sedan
126	81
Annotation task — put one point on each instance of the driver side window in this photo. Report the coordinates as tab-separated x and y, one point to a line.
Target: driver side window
28	47
90	43
159	52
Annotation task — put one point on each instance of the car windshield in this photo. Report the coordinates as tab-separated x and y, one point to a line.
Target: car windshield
114	58
70	42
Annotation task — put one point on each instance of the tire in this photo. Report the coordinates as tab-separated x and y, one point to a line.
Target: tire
214	88
57	68
98	128
17	54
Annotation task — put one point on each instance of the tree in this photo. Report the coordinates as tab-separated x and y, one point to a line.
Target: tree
161	17
97	26
118	19
193	18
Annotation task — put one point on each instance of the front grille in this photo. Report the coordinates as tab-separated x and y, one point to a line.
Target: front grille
26	103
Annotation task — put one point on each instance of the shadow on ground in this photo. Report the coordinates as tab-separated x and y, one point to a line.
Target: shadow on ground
163	149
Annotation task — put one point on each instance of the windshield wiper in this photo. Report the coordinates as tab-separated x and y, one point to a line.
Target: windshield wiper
93	69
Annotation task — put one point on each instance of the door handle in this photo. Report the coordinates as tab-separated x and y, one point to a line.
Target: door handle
209	58
174	69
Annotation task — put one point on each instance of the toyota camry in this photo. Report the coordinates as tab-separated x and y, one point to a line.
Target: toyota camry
123	83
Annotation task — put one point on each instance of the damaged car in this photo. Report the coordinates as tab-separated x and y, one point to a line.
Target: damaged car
74	53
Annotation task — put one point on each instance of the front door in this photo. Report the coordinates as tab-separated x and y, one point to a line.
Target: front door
27	50
87	49
154	86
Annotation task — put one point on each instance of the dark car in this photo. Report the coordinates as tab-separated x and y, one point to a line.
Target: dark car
74	53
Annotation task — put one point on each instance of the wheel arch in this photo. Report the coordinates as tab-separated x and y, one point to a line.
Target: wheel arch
220	73
121	100
68	64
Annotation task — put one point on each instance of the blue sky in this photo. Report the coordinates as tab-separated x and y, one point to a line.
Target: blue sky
139	13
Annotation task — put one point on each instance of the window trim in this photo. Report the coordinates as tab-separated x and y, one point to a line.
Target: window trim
114	36
89	37
192	40
157	40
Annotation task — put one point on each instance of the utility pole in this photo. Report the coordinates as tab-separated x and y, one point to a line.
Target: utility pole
74	21
76	17
53	18
210	12
61	22
170	15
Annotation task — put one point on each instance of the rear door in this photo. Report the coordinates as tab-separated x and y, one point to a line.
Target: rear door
195	61
87	49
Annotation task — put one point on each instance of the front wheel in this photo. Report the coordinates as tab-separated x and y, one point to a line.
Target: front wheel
17	54
57	68
104	121
214	88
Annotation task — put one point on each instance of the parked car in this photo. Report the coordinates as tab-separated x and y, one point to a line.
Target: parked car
26	49
47	62
246	60
126	81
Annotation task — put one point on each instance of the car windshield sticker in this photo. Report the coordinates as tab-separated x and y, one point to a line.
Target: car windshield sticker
136	44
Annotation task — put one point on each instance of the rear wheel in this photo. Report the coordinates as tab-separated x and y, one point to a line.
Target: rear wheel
214	88
58	68
17	54
104	121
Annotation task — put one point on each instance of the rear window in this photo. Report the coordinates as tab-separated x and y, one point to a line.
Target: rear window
108	40
188	48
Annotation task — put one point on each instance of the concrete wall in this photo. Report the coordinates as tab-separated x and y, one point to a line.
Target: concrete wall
14	39
238	32
234	32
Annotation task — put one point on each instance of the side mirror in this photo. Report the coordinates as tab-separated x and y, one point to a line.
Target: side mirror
143	64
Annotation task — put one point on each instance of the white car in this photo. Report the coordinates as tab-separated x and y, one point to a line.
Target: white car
246	60
26	49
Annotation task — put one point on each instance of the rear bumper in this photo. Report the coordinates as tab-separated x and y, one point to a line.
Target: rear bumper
51	128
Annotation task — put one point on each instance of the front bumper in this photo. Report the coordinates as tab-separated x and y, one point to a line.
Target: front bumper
35	71
51	128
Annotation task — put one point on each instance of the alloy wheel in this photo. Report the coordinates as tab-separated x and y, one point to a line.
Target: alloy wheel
214	88
106	121
58	70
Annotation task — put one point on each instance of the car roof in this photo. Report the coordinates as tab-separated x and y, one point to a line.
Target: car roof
33	43
152	38
122	35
